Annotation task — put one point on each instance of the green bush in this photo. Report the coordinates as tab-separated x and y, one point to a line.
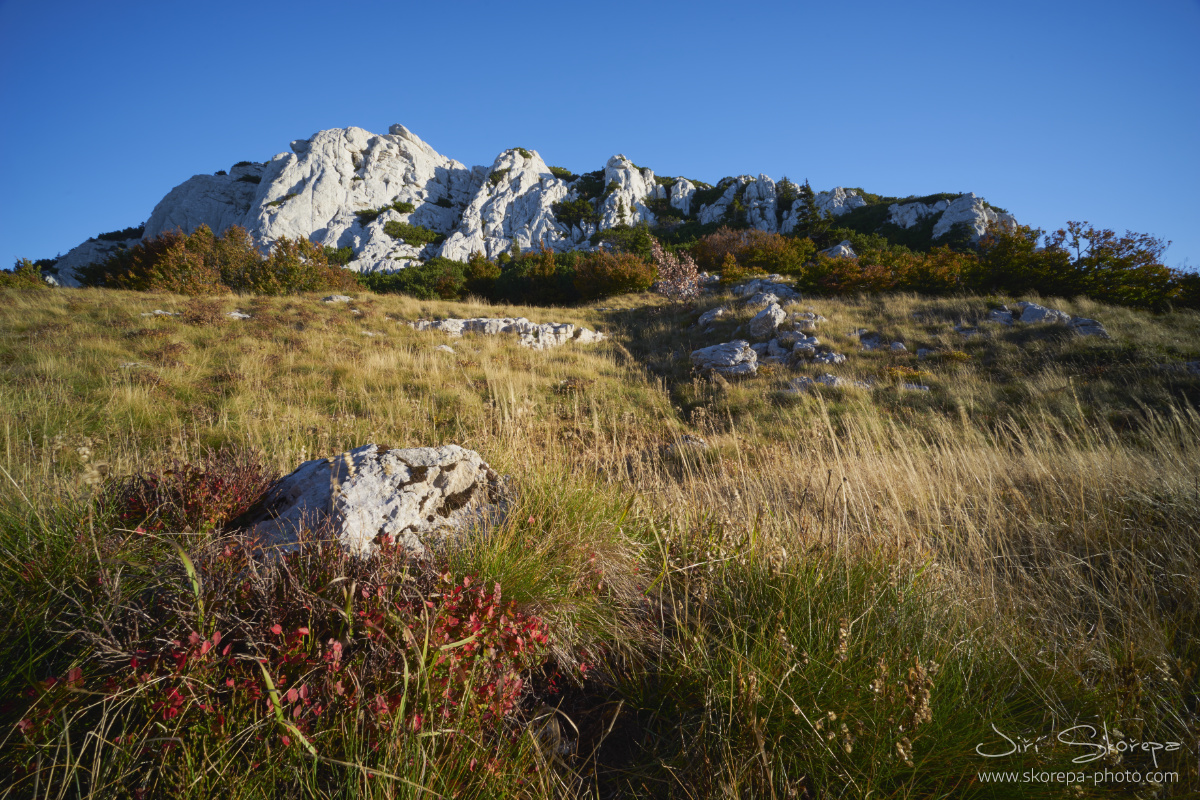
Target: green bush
436	278
542	278
497	176
243	164
340	256
563	173
205	264
24	275
282	200
575	212
634	239
590	185
123	235
603	274
412	234
251	179
524	152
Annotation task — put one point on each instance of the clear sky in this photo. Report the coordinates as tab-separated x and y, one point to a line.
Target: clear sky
1055	111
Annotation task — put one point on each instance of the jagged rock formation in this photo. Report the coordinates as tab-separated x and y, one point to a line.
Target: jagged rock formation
967	209
320	189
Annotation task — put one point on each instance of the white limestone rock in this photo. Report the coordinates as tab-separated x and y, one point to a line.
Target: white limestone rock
514	203
1034	313
715	211
633	186
1082	326
336	298
93	250
767	321
731	359
759	199
529	334
841	250
829	357
681	196
416	498
805	383
838	201
967	208
1000	315
711	316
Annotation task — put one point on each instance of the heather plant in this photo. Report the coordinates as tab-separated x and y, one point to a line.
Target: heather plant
189	496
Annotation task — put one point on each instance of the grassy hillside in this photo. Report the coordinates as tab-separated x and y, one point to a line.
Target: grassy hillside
843	594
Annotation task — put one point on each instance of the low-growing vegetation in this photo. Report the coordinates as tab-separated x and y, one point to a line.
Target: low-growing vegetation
844	593
201	263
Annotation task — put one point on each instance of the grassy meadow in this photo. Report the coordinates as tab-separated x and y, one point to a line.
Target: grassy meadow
845	593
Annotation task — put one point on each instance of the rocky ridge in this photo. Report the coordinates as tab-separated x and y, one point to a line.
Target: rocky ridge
322	187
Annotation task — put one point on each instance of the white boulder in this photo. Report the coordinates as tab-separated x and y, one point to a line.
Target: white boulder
767	321
416	498
731	359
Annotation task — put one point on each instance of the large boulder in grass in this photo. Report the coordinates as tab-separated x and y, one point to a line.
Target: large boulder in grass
415	497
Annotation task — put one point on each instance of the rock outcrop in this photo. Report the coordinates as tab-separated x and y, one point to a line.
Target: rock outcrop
967	209
731	359
415	498
530	334
319	188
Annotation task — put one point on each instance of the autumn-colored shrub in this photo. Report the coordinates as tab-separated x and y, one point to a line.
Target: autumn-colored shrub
24	275
603	274
678	278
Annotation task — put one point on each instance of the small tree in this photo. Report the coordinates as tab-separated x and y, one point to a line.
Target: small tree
678	278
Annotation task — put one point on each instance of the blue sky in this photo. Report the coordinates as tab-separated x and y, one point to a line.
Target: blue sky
1056	111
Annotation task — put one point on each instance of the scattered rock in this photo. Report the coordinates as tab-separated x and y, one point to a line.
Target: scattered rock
712	315
159	313
237	315
336	298
924	353
767	321
842	250
761	299
373	334
530	334
782	291
416	497
1032	313
687	443
915	387
1081	326
804	383
966	331
1001	315
829	357
730	360
898	347
444	348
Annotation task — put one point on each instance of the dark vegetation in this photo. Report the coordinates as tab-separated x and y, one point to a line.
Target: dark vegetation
202	263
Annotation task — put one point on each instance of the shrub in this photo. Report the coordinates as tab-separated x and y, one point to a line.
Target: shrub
590	185
295	265
563	173
251	179
190	497
603	274
243	164
481	275
411	234
282	200
542	278
497	176
443	202
341	256
24	275
221	172
524	152
678	278
123	235
438	277
576	212
634	239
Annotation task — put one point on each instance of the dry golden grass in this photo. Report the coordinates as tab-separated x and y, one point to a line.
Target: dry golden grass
1046	492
